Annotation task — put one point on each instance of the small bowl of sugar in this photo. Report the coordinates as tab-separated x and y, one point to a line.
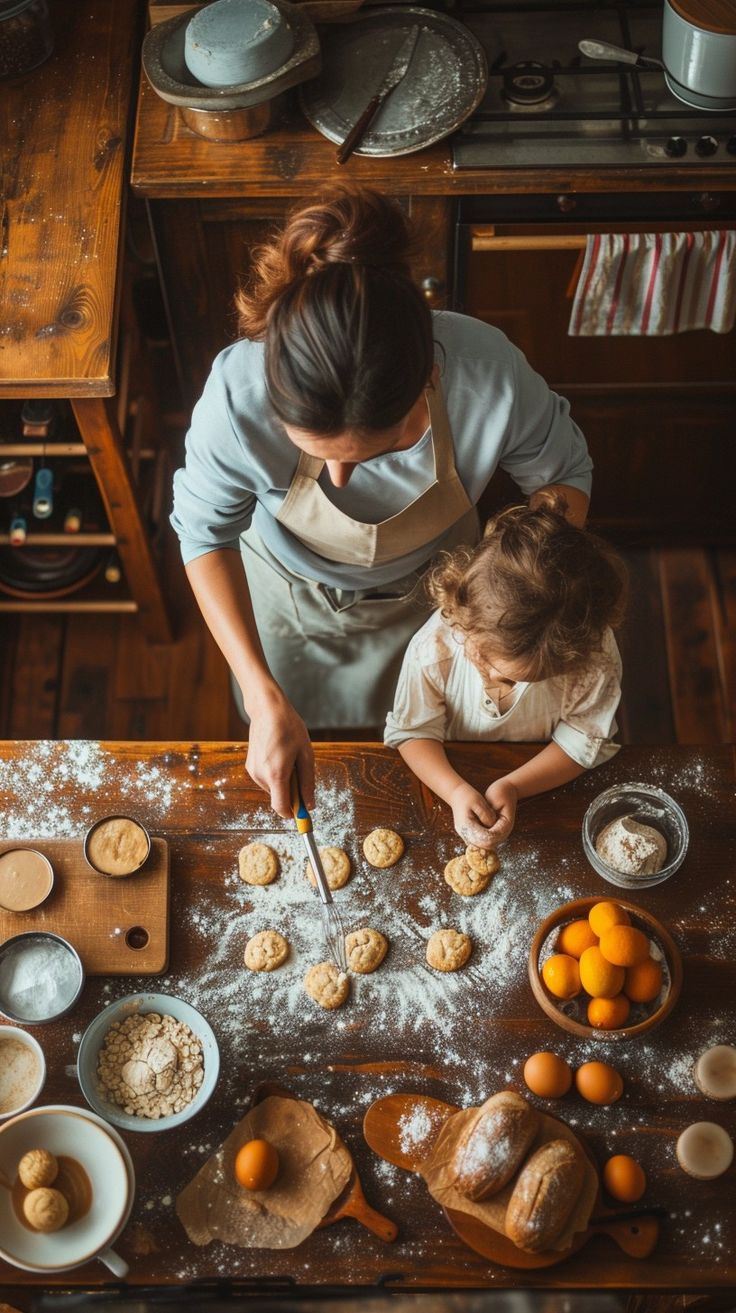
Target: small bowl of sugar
22	1071
41	977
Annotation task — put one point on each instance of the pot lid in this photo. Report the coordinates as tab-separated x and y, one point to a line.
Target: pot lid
164	63
710	15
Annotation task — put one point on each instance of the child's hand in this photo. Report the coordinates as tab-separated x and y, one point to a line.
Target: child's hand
472	816
503	797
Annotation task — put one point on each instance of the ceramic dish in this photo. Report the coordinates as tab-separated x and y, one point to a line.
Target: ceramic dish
445	81
95	830
165	66
649	805
21	1081
75	1134
92	1040
26	879
236	41
570	1014
11	960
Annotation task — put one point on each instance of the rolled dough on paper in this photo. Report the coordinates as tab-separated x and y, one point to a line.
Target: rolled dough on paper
439	1175
315	1166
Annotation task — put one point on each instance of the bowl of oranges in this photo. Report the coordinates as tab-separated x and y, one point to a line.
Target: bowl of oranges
604	969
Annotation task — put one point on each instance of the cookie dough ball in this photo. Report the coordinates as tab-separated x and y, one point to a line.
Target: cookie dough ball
631	848
258	864
365	950
45	1209
383	848
336	866
483	860
327	985
464	879
37	1167
448	950
266	951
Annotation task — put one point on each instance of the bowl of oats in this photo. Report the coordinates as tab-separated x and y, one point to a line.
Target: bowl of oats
148	1062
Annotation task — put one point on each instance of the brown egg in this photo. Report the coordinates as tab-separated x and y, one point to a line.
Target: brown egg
547	1075
256	1165
624	1178
599	1083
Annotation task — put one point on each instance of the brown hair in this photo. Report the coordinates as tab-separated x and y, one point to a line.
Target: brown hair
536	590
348	335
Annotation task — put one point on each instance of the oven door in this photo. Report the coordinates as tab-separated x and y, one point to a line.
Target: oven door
659	413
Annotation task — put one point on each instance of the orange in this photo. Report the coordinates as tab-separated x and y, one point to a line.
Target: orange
598	976
604	915
625	946
643	982
624	1178
575	937
561	975
609	1013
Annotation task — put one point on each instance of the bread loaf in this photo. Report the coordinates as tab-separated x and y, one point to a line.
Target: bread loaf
494	1144
544	1196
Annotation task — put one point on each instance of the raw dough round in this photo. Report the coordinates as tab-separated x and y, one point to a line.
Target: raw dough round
336	866
258	864
117	846
483	860
461	877
266	951
45	1210
365	950
715	1072
704	1150
631	848
383	848
37	1167
327	985
448	950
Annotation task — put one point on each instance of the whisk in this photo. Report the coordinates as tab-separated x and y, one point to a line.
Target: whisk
331	923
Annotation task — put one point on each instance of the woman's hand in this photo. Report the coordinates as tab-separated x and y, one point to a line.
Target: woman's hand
503	797
277	744
472	816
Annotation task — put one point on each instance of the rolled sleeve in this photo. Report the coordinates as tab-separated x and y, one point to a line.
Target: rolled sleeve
543	444
588	722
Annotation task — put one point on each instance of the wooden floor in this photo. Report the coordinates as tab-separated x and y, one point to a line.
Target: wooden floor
95	676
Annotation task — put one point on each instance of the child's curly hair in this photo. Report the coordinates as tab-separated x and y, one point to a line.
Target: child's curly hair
537	591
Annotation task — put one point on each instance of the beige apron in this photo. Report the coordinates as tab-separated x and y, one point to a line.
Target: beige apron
336	653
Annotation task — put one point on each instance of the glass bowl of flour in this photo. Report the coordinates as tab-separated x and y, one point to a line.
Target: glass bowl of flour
635	835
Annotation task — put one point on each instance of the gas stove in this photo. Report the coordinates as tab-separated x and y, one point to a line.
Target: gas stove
547	105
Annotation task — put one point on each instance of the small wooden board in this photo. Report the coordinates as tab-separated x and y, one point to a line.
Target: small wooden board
119	926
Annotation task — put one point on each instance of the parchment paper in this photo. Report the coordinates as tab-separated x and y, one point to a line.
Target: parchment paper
437	1172
315	1167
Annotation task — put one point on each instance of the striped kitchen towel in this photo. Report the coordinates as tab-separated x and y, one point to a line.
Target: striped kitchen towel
654	284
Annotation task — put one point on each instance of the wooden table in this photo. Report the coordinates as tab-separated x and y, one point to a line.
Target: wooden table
397	1034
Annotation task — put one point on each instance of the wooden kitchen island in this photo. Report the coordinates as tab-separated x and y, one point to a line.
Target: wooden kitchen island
405	1028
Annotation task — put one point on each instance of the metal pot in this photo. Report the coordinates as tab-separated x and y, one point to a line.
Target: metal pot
699	52
234	124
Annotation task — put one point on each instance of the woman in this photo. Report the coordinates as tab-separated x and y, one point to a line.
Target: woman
339	445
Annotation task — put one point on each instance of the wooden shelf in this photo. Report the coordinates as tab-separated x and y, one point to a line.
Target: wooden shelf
97	595
63	540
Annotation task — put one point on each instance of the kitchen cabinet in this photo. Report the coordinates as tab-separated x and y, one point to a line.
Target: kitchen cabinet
67	329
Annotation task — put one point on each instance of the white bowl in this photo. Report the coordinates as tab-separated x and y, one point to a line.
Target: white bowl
73	1133
34	1089
92	1041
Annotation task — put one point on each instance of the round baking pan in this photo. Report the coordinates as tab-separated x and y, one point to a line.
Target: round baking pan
32	572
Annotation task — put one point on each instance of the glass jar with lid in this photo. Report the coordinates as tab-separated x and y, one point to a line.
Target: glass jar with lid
26	36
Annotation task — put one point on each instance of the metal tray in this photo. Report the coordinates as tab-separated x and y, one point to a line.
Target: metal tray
446	80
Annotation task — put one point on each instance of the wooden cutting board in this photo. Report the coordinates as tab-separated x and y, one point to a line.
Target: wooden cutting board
636	1231
119	926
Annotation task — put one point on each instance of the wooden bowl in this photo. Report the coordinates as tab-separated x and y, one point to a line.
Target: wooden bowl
644	920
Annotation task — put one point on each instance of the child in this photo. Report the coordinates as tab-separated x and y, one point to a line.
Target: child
519	649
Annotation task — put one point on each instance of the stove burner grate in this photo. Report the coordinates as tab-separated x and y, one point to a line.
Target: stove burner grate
529	85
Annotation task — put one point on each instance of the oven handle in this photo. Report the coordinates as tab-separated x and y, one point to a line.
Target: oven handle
486	239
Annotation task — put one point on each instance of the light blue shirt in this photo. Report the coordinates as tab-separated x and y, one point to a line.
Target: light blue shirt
240	462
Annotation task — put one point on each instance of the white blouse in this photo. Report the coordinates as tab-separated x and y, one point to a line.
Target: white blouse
440	695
